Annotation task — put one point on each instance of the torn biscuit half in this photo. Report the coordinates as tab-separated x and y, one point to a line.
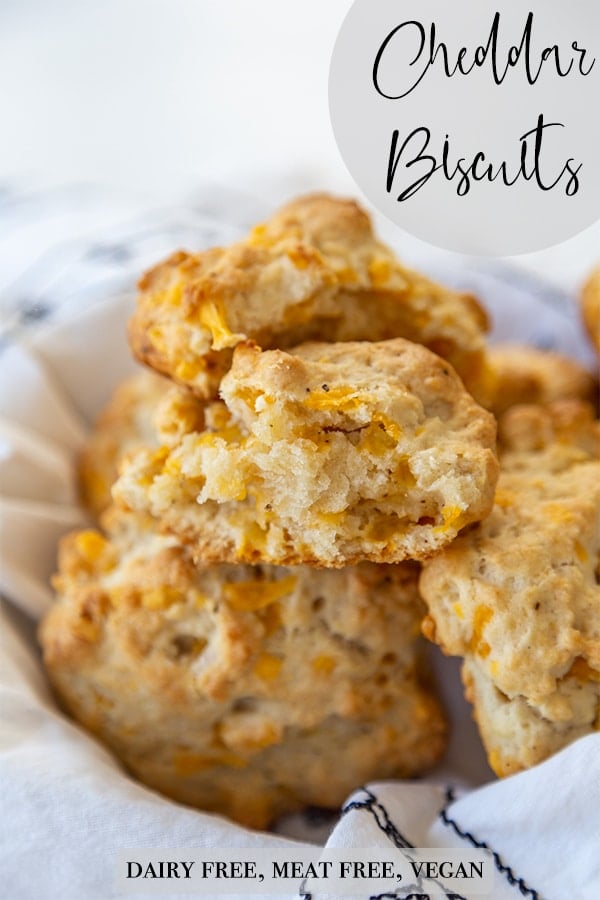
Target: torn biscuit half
327	455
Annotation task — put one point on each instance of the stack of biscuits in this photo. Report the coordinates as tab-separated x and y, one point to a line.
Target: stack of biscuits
242	625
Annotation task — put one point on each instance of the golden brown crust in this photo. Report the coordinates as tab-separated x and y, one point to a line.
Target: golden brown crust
518	596
313	271
590	307
523	374
250	691
326	456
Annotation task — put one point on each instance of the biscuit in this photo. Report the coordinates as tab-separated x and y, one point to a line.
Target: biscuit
248	691
518	596
590	307
314	271
332	454
523	374
144	411
516	734
563	433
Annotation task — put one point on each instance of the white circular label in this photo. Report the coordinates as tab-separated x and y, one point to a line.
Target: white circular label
474	126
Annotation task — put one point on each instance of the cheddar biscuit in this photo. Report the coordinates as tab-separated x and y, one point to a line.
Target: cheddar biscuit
327	455
314	271
248	691
518	596
524	374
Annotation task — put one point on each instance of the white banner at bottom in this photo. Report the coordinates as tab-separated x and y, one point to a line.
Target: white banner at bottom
264	872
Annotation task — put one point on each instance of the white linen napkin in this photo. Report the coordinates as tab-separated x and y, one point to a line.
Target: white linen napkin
67	807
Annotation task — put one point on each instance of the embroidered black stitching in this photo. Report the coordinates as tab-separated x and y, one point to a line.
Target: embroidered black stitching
505	870
412	895
373	805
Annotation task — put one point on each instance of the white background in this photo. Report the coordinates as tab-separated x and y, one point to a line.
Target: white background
157	96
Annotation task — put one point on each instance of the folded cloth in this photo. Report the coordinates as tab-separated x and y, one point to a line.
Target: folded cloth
68	808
